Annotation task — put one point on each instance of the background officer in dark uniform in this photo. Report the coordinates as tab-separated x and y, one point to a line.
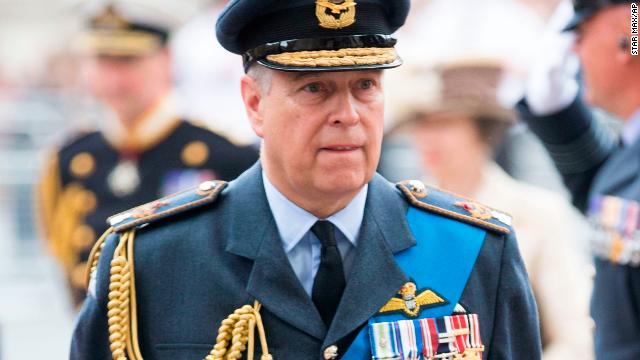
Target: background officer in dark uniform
310	251
144	152
601	172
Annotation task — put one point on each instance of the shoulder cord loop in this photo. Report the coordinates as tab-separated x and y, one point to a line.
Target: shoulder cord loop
122	307
236	334
94	255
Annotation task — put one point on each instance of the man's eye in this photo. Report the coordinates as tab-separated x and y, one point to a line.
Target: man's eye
366	84
313	88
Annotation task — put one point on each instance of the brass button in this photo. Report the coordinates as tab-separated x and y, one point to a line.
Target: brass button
195	154
82	165
331	352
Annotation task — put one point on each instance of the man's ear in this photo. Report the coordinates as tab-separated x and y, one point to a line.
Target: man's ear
252	96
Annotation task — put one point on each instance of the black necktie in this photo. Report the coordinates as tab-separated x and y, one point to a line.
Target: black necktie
329	283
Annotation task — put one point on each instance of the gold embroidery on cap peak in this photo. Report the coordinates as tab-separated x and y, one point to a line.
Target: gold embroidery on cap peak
342	57
336	14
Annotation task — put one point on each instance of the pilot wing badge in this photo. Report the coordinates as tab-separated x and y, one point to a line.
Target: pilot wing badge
410	303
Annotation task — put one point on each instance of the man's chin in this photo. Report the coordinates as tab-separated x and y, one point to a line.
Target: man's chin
336	183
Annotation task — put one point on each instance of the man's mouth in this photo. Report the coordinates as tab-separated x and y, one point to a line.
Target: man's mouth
341	148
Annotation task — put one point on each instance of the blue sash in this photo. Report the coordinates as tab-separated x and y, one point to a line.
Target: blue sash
442	260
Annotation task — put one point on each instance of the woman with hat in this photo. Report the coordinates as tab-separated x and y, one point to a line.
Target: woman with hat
453	119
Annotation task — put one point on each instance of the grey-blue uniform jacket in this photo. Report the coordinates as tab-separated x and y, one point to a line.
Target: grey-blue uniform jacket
195	263
601	175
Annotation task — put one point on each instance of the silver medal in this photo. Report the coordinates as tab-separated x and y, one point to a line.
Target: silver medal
124	179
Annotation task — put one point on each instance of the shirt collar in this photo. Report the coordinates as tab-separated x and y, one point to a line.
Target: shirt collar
631	129
294	222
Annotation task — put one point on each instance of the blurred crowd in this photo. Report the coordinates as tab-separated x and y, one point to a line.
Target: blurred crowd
75	149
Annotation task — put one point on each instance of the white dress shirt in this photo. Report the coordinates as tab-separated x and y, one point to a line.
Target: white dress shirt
301	245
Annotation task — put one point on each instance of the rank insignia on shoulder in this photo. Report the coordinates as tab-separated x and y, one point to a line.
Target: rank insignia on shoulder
206	193
149	209
408	302
454	206
483	212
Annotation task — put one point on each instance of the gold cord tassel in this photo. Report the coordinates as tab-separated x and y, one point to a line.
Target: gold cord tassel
236	334
94	255
118	314
121	308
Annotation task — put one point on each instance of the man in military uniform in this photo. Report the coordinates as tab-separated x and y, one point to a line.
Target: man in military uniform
310	254
601	172
145	152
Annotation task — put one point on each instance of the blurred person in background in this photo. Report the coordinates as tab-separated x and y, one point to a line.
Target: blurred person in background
207	78
438	32
143	152
601	171
454	120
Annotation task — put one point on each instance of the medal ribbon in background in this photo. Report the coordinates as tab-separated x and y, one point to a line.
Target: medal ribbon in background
615	221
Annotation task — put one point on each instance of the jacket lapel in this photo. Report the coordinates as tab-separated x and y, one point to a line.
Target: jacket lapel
254	235
375	276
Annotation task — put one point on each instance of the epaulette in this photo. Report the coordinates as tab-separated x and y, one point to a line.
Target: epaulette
206	193
452	205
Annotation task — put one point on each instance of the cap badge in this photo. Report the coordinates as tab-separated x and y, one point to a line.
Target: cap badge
336	14
110	19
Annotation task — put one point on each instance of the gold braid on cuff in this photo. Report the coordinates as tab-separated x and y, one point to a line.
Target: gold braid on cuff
342	57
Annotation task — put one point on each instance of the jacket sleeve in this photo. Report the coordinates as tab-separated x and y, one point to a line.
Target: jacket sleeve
91	334
516	330
577	143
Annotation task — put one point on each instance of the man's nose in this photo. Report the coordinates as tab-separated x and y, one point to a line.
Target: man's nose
346	111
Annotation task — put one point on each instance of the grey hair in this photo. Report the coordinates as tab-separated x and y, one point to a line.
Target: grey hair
262	76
